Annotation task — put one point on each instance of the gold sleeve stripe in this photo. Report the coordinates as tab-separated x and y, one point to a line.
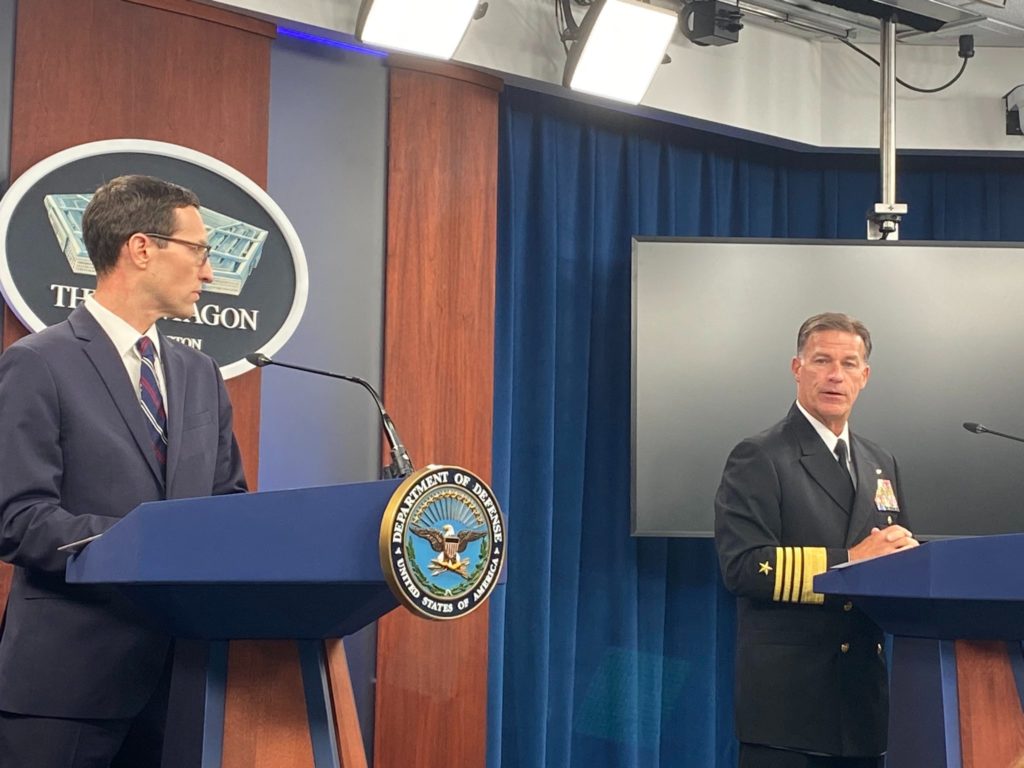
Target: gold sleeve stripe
780	557
815	562
798	574
787	573
795	569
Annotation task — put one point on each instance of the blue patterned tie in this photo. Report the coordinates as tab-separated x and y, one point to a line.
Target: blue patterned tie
152	401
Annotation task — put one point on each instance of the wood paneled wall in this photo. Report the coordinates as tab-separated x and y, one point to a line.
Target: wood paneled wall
438	382
190	74
175	71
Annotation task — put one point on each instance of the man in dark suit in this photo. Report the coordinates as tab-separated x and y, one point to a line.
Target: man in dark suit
807	494
98	414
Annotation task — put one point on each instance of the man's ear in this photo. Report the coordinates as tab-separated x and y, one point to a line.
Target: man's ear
138	249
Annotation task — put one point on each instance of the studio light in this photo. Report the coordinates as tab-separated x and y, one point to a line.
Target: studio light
618	48
426	27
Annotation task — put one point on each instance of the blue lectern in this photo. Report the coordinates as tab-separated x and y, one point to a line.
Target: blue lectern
299	564
954	589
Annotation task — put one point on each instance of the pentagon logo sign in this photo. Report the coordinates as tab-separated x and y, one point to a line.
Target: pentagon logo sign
260	282
442	542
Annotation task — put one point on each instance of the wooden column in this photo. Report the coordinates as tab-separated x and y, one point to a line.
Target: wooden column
991	721
438	382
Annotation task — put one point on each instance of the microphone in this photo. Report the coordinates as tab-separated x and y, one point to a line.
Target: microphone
978	429
401	464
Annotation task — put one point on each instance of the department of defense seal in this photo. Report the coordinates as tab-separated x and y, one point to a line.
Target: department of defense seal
442	542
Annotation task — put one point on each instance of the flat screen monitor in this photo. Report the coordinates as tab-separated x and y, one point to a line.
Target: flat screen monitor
714	331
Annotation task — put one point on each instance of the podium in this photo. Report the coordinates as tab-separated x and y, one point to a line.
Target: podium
298	564
951	701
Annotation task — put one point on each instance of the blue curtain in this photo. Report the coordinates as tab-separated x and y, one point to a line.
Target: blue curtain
608	650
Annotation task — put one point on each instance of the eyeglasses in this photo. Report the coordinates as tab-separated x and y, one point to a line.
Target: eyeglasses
201	250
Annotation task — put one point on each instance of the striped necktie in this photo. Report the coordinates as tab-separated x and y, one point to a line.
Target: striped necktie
152	401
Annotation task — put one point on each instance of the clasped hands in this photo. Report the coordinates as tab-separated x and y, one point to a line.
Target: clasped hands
883	541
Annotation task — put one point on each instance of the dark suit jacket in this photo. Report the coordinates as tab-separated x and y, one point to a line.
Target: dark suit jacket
74	459
810	673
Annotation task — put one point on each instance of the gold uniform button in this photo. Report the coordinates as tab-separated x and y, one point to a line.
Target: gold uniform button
889	520
879	649
845	647
847	606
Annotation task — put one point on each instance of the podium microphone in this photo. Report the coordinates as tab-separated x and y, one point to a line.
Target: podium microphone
978	429
401	464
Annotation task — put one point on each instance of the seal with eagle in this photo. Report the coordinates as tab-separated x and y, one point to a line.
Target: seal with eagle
448	545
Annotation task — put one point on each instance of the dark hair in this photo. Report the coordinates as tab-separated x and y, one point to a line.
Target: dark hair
833	321
126	205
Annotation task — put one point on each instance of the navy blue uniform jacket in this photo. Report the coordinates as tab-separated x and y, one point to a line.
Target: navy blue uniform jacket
74	459
810	673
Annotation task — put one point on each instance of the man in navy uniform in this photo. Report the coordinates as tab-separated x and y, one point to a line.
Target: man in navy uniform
805	495
98	414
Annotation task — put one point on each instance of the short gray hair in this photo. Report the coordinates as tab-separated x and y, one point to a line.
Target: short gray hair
833	321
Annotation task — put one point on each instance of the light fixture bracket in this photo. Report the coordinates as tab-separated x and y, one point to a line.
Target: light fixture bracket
710	22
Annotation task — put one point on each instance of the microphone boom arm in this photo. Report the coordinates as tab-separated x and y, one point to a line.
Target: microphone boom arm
401	464
980	429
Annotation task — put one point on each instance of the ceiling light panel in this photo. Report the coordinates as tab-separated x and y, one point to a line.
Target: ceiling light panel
427	27
624	48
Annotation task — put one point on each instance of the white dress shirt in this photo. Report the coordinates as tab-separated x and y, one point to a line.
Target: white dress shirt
831	438
124	338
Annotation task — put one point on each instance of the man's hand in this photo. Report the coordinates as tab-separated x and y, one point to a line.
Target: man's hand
883	541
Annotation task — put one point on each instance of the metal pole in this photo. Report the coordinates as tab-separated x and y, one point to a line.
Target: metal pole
888	111
884	218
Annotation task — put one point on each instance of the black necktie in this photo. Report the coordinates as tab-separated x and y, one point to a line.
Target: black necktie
843	455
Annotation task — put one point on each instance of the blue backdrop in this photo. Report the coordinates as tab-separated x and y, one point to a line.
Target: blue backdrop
610	651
